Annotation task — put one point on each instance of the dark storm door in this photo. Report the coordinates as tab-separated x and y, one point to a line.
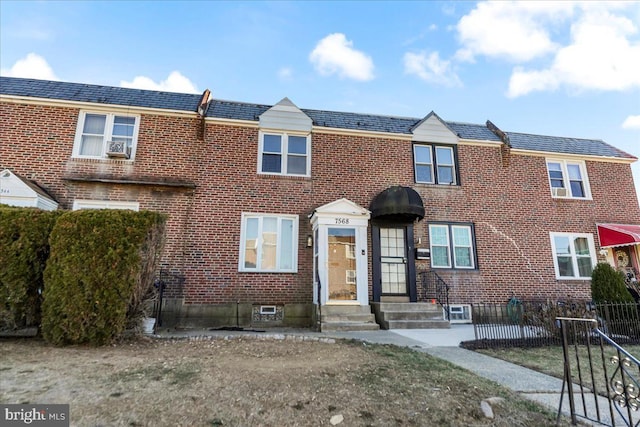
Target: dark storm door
393	261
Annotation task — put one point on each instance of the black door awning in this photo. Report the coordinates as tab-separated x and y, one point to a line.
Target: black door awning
397	202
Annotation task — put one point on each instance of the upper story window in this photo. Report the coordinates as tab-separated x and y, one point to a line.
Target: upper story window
568	179
269	243
573	255
434	164
101	135
452	246
284	154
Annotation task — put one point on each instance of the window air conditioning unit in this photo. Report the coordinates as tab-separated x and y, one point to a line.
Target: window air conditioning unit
559	192
118	149
459	313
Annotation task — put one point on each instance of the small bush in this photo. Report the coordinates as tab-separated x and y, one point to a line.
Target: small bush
607	285
24	249
101	266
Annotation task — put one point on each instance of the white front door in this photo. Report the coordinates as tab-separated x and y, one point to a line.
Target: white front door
341	264
340	254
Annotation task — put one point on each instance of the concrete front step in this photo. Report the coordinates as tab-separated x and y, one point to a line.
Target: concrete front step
345	309
409	316
406	306
357	317
413	315
348	318
418	324
349	326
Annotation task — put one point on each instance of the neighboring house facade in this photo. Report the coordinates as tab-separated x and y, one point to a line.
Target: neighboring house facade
276	210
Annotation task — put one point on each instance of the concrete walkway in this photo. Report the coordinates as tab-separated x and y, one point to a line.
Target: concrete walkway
445	344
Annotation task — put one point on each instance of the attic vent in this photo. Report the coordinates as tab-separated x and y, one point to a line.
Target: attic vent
6	174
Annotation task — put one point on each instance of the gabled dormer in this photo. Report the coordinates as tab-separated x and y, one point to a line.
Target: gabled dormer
433	129
285	141
435	156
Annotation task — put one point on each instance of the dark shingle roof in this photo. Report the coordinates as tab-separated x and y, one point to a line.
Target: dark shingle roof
99	94
331	119
565	145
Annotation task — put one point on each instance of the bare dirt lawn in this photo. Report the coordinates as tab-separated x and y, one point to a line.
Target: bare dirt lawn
252	382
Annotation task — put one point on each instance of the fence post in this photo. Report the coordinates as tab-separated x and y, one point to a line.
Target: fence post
567	374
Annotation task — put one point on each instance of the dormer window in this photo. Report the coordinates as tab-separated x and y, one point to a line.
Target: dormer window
106	135
434	164
284	154
285	141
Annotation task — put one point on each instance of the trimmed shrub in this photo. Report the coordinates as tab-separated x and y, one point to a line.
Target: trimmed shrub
24	249
101	267
607	285
615	305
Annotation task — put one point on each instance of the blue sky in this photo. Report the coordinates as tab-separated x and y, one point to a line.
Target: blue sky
551	68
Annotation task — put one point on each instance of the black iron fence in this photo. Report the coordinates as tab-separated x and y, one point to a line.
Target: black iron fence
601	379
529	323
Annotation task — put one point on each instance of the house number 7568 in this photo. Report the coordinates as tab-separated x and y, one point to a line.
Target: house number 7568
342	221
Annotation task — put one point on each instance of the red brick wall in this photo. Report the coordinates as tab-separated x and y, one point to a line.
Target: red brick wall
510	206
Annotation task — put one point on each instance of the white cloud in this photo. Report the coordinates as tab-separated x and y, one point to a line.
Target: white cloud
631	122
32	66
430	68
334	54
600	57
510	30
285	73
176	82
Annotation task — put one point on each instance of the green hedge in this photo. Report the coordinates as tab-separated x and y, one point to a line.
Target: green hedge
607	285
24	249
100	270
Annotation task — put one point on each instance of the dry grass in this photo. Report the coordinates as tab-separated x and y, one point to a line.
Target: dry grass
550	360
248	382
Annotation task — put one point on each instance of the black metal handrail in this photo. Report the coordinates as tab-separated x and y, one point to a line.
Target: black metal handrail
434	289
614	385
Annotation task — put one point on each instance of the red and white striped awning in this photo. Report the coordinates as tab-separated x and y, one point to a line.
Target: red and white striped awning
611	235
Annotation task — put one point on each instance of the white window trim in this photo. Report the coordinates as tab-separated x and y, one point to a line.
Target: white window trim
565	178
574	259
468	230
351	277
453	263
434	164
294	243
107	135
285	152
431	245
350	251
104	204
416	163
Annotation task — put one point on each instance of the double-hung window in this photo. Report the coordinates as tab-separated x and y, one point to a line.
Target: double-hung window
452	246
573	255
568	179
434	164
269	243
284	154
101	135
